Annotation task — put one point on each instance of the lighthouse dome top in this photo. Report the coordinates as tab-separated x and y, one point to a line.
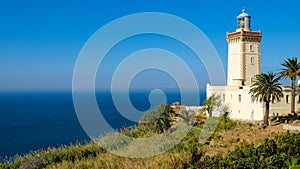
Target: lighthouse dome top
243	14
243	21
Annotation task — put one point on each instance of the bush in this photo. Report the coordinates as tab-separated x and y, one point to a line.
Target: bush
226	123
269	154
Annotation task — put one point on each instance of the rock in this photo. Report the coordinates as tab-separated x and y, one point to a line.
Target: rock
33	164
297	122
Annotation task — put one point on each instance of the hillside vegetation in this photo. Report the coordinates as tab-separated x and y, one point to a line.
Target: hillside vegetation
233	145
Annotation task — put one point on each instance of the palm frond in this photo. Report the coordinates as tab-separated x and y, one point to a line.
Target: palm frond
266	87
291	68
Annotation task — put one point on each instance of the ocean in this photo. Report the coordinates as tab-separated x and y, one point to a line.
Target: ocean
34	121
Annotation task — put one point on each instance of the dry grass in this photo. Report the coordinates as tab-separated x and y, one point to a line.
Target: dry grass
243	133
228	136
222	142
108	160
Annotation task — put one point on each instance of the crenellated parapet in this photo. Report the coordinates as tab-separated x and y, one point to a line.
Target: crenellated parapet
248	36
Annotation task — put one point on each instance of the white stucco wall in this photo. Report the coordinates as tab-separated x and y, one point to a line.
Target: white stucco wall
245	109
234	62
241	109
284	106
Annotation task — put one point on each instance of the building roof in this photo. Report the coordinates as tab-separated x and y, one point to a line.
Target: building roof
243	14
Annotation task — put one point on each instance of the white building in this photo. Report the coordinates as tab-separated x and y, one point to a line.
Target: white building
243	65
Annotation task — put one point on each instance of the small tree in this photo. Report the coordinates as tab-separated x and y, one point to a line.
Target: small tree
266	88
212	103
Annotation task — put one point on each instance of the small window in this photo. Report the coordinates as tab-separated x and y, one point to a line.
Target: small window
240	98
287	98
251	48
252	60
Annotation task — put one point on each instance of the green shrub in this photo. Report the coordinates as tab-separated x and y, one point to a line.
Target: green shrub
226	123
292	162
217	137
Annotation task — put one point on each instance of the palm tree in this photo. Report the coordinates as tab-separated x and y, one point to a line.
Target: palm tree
187	116
266	88
291	70
163	122
212	103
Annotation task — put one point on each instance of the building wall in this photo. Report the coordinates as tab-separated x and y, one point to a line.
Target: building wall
284	106
238	101
243	57
252	65
242	107
234	62
196	109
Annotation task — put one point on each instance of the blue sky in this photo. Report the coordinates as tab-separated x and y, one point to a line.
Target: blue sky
41	40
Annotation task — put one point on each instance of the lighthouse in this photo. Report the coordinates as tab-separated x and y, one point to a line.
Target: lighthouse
243	52
243	65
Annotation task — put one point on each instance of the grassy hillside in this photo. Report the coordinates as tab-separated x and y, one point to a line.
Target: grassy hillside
233	145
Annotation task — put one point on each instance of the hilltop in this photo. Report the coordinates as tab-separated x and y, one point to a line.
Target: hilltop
235	144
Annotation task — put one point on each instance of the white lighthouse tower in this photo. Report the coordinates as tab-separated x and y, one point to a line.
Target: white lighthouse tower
243	65
243	52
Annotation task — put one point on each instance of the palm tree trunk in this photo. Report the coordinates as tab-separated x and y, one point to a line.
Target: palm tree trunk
266	118
293	97
210	111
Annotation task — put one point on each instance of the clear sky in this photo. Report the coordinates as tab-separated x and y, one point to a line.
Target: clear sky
40	40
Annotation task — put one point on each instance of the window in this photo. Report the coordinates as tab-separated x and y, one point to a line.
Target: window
240	98
240	23
252	60
287	98
251	48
